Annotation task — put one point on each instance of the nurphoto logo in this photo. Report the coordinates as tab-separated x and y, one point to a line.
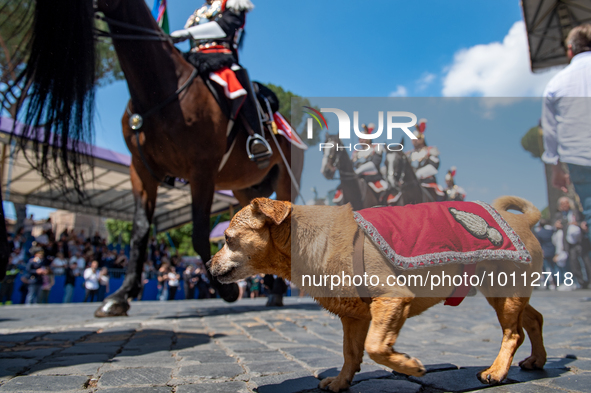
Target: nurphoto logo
392	123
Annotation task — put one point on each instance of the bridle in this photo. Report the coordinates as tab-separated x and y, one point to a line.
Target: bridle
136	120
334	160
399	172
398	175
148	34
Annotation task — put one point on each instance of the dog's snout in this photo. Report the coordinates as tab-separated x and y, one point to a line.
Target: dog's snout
208	264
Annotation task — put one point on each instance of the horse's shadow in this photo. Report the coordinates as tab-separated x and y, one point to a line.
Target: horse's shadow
197	312
84	352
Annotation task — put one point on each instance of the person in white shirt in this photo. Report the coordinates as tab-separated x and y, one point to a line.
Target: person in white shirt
173	282
79	261
58	265
91	282
566	119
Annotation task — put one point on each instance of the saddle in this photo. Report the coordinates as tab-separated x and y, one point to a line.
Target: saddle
434	190
378	187
216	70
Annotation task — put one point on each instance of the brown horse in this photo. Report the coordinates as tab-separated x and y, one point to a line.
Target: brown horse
183	133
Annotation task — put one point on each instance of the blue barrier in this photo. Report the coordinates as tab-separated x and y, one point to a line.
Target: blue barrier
56	295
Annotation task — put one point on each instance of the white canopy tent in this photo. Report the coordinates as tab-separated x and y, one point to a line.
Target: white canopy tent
107	190
548	23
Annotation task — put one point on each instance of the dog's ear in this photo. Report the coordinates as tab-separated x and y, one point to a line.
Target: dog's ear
276	211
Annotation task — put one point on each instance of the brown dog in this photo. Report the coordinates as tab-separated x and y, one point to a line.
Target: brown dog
271	237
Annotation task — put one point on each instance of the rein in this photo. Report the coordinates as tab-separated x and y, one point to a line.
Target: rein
153	35
403	185
136	120
343	175
161	105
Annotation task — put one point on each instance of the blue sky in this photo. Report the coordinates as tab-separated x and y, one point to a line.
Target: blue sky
421	48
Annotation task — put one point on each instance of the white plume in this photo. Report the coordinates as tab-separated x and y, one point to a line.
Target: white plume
240	5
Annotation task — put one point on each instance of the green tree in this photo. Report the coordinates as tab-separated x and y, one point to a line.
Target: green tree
291	107
109	69
181	238
532	142
16	19
119	231
545	213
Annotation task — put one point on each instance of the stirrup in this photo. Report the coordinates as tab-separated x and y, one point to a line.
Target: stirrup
258	149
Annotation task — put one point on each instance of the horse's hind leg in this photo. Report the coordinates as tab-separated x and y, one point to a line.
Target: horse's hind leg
532	322
510	311
144	190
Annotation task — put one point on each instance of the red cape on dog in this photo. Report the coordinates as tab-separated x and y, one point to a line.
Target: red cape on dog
434	234
431	234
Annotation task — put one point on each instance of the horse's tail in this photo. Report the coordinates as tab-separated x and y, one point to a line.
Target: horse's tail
60	76
531	213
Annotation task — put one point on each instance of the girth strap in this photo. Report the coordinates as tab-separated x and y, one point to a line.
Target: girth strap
359	265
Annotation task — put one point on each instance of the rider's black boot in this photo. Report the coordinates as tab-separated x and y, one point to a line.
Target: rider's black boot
257	147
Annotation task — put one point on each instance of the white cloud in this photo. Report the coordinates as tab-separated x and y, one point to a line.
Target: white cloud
399	92
498	69
425	80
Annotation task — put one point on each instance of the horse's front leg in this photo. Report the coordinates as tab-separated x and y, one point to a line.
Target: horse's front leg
202	190
144	191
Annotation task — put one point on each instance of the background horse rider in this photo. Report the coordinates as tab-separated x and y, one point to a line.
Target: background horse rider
215	31
366	163
453	192
425	161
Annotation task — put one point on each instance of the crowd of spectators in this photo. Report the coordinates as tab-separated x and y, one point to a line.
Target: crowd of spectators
566	248
35	261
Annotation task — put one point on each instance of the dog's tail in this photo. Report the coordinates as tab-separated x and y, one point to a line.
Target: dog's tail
531	213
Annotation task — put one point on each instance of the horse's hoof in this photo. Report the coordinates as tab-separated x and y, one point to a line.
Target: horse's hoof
112	308
229	292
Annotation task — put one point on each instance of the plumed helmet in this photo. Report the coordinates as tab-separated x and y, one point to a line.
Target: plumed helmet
368	129
420	129
449	176
237	5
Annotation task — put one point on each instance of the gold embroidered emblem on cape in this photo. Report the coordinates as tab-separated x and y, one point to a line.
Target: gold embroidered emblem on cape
477	226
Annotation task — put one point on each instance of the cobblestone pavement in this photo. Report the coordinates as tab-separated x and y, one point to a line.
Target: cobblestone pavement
212	346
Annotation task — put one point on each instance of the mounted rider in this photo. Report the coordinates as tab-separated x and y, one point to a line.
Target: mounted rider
215	31
425	161
366	164
453	192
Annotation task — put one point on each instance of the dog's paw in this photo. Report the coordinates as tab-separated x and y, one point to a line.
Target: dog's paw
491	377
334	384
532	363
412	366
